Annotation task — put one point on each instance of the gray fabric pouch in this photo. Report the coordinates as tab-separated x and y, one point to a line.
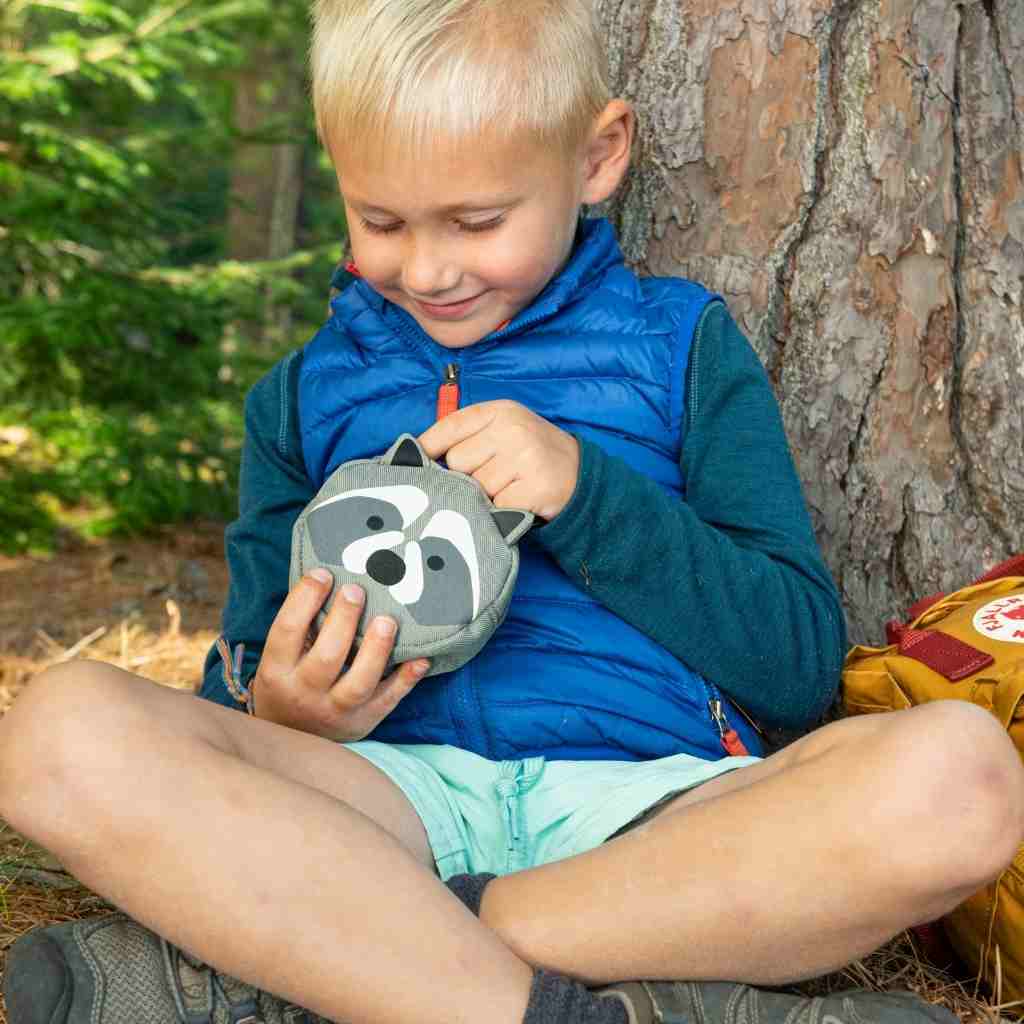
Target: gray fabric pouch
424	542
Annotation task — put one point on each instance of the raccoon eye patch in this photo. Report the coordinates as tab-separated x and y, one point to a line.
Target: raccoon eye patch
368	514
435	562
453	530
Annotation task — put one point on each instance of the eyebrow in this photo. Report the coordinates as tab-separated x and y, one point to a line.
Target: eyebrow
476	206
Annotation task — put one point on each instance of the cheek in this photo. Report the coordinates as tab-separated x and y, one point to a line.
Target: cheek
519	267
376	262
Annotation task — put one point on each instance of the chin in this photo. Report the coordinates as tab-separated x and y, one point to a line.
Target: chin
448	341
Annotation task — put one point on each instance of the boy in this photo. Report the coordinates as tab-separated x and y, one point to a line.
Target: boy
578	758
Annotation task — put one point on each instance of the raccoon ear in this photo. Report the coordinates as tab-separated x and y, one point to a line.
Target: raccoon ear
512	523
406	452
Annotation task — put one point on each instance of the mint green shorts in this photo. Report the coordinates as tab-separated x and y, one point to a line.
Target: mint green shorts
503	816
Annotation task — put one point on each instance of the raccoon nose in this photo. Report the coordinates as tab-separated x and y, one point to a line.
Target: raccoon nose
385	567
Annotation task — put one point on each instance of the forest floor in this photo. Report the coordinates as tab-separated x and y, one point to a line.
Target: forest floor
152	606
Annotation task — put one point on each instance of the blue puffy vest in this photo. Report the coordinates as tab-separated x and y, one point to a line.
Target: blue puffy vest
603	354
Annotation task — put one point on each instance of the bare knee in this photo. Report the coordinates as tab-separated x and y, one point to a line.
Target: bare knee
56	738
961	783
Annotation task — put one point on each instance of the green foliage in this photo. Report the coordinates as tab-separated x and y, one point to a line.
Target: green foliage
122	365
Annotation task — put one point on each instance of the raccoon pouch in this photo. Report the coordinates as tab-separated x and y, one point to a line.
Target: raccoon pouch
425	544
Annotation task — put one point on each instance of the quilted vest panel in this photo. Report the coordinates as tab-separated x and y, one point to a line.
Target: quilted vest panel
600	353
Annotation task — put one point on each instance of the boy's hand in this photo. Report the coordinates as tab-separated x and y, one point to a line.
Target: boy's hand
519	458
301	686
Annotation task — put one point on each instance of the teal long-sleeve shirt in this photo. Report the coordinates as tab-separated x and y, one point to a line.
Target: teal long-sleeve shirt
729	580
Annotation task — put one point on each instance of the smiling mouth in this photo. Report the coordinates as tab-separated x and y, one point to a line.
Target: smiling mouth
447	310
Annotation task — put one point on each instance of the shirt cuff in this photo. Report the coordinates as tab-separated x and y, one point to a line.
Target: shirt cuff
565	536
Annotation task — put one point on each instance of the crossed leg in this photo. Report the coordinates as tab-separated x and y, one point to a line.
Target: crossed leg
786	869
275	856
238	839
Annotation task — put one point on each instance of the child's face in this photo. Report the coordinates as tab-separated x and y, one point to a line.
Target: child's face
466	237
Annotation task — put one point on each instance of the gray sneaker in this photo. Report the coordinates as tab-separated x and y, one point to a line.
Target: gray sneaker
724	1002
112	970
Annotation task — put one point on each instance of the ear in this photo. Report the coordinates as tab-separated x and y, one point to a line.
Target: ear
406	452
512	523
606	157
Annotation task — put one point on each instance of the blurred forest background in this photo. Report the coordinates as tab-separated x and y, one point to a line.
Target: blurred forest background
168	226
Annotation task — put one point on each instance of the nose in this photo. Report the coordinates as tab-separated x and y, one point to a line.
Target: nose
428	268
385	567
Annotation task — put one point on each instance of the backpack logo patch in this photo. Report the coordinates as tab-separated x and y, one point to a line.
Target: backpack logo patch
1002	619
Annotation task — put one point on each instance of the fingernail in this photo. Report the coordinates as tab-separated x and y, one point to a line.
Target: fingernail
321	575
420	667
385	627
353	593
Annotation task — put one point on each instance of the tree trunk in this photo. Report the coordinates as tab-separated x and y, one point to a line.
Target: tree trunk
848	175
266	174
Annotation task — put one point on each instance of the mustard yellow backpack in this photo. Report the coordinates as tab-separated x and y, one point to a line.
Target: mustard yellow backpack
967	645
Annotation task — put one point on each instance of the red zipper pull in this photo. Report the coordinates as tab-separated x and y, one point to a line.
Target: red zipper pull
728	736
448	392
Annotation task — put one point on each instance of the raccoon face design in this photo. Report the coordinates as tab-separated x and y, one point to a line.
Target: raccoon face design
427	558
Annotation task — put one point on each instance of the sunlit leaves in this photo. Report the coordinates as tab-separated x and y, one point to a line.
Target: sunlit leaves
115	137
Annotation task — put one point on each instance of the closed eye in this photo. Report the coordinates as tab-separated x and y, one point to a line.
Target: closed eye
481	225
380	229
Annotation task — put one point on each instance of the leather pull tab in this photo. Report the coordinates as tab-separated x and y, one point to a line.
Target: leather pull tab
951	658
448	392
733	745
447	400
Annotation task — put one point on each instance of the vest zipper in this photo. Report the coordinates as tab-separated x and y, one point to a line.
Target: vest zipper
448	392
727	735
465	701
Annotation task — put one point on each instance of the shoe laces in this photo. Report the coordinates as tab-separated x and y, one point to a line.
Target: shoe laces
203	995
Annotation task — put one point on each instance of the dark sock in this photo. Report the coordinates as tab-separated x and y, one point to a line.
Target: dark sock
469	889
556	999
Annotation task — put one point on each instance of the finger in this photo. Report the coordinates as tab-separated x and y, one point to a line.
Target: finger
322	663
494	476
397	686
287	635
456	427
518	494
360	682
470	454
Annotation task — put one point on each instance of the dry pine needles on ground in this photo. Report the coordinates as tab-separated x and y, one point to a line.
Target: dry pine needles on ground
153	607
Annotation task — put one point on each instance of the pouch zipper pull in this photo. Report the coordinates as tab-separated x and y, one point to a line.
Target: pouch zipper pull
729	737
448	392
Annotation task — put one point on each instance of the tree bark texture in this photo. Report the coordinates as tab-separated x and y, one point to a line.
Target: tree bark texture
848	175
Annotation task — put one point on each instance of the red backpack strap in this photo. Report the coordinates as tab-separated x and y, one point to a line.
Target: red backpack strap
923	605
949	655
894	629
1011	567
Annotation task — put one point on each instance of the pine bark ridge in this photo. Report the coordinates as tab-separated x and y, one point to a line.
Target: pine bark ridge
848	174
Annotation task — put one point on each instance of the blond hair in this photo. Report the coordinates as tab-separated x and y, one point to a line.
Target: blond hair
410	72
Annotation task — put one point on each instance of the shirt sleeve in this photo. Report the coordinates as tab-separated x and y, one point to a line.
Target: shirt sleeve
273	490
729	580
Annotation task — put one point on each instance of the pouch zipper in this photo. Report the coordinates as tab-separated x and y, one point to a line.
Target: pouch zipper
448	392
